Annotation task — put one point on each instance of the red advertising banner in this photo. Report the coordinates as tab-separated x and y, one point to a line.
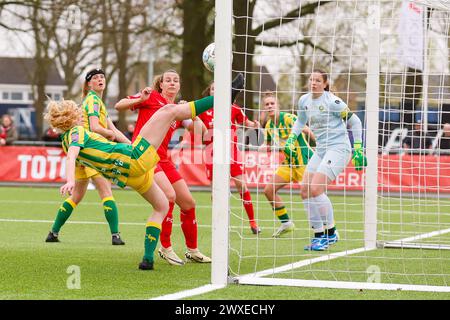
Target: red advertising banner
406	173
32	164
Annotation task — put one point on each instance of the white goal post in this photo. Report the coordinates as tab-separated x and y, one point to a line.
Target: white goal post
393	219
221	147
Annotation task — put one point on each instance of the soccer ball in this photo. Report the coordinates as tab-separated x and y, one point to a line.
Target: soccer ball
209	57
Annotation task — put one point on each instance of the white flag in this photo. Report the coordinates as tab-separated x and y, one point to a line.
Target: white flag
411	32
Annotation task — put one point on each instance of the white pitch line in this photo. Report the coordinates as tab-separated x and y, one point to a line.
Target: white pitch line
69	222
190	293
88	203
133	224
344	285
88	222
424	236
255	278
304	263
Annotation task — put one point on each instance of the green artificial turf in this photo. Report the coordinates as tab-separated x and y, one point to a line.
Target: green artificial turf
33	269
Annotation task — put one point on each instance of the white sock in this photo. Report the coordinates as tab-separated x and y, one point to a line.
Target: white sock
315	221
325	210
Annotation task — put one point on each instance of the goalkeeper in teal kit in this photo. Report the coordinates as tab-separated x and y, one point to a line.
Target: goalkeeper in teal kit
327	116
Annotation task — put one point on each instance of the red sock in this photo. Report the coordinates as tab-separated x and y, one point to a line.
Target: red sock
248	205
166	227
189	227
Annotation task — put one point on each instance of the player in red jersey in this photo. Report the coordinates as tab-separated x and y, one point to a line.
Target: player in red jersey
236	168
164	91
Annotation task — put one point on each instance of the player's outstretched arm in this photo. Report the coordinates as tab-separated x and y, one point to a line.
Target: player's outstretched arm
94	126
127	103
119	136
157	126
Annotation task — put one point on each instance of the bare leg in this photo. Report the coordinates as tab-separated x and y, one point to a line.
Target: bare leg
240	183
319	184
103	186
184	197
271	191
155	196
156	128
164	184
79	190
305	191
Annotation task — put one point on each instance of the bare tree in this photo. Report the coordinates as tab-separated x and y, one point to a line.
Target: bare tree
5	4
76	44
246	38
124	21
197	34
43	18
54	40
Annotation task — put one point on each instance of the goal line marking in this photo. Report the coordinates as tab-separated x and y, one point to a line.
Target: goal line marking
256	278
130	223
189	293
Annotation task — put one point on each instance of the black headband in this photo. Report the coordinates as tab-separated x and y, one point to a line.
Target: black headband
92	73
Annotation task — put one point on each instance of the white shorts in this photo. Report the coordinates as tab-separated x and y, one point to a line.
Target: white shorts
332	163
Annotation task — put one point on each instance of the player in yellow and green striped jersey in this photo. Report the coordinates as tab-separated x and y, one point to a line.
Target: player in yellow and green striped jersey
95	119
125	164
277	130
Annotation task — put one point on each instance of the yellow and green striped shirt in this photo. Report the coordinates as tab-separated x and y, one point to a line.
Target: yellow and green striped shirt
278	133
94	106
111	159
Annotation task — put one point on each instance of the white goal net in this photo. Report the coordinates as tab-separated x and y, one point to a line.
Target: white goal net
388	60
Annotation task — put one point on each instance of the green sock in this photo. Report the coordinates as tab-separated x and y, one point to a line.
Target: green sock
111	214
201	105
152	231
63	214
281	214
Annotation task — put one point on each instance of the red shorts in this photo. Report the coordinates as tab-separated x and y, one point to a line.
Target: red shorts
236	169
169	170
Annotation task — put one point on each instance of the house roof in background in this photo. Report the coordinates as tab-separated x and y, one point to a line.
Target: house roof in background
263	79
19	71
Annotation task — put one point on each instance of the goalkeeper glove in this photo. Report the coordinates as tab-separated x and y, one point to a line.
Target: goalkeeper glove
359	160
289	147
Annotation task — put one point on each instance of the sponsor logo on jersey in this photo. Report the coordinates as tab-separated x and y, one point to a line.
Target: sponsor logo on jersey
74	137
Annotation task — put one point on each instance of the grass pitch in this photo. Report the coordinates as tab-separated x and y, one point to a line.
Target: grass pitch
33	269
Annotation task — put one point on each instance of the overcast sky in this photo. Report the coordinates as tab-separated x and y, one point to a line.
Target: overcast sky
21	44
